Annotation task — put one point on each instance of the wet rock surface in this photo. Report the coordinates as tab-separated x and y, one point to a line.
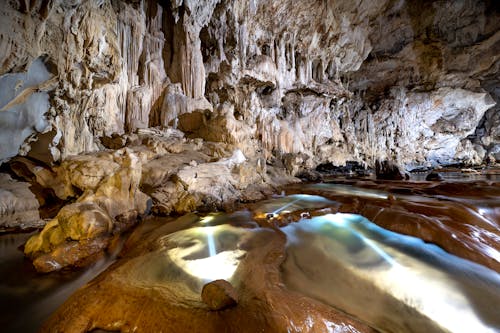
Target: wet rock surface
165	276
103	194
219	295
295	270
461	217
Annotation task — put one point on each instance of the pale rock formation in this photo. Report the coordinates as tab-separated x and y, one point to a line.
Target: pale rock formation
106	58
113	188
329	81
421	127
23	104
105	199
18	205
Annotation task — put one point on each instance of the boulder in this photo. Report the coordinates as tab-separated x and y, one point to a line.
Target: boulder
219	295
84	228
434	176
388	171
18	205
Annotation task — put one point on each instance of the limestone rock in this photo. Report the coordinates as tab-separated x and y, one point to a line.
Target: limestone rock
291	85
219	295
88	223
18	205
388	170
71	253
115	141
78	221
329	83
23	104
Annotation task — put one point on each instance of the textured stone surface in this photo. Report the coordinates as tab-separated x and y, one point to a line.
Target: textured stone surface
88	223
18	205
219	295
331	81
159	170
106	59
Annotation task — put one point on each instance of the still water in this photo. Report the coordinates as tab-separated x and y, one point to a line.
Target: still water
28	298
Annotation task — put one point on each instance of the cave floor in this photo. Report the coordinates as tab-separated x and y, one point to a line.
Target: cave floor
344	255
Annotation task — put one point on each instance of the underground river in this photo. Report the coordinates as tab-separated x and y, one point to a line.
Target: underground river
353	255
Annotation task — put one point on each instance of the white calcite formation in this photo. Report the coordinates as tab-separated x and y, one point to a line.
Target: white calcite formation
326	81
23	105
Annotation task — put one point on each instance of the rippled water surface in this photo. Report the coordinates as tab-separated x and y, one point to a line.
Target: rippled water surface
389	281
394	282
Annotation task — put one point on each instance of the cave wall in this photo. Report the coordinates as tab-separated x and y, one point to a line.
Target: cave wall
307	82
106	58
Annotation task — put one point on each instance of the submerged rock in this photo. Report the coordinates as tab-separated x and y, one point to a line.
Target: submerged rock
434	176
464	224
157	286
348	262
219	295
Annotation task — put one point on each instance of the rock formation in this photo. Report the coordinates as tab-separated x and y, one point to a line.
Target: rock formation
125	106
323	81
219	295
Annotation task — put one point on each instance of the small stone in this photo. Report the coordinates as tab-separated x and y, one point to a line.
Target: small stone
434	176
219	295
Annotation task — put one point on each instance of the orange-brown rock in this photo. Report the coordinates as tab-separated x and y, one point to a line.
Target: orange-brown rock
147	292
462	218
219	295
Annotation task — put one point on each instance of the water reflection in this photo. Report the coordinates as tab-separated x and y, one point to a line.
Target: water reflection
188	259
28	298
291	203
349	190
191	255
396	283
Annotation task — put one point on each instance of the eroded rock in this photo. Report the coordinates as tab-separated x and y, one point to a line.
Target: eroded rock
88	223
18	205
219	295
434	176
388	170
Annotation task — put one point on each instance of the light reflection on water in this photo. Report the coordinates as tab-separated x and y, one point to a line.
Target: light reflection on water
394	282
187	259
28	298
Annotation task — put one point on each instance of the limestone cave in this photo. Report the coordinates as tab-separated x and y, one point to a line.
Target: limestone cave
250	166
